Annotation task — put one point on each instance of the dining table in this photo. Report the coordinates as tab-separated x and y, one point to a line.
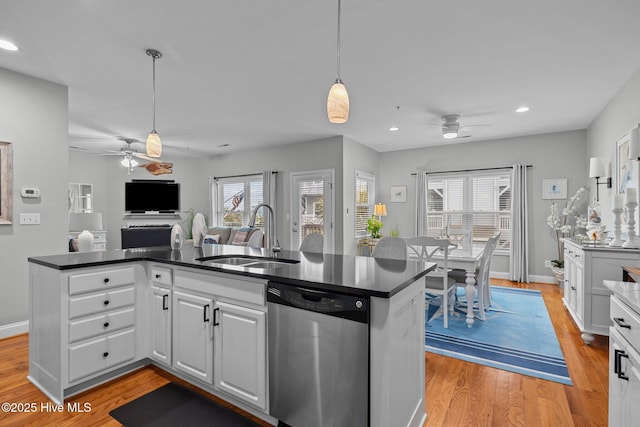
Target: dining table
468	259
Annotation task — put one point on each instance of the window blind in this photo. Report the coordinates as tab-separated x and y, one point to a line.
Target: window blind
364	198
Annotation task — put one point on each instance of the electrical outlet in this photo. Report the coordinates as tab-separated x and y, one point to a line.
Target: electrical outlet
547	263
29	218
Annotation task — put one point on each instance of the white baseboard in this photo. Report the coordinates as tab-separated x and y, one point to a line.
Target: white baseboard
12	329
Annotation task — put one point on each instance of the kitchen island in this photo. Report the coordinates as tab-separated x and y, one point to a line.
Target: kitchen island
97	315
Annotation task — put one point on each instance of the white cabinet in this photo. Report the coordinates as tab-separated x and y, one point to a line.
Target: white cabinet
240	352
161	324
193	335
82	325
585	297
160	312
624	364
219	333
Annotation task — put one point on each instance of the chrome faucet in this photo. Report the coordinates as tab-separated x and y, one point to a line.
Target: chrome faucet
271	237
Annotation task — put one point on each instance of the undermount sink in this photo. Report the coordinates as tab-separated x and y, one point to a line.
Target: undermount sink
248	261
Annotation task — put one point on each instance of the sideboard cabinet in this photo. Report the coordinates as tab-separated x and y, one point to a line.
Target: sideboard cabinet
585	296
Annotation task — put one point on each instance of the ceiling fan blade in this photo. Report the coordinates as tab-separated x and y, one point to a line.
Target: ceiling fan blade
142	156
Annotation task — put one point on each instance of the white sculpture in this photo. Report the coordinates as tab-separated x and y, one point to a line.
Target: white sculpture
198	229
177	237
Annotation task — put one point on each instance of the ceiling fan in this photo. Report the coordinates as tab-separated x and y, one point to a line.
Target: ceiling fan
129	155
452	129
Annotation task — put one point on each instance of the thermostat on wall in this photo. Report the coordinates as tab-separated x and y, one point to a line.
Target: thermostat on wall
30	192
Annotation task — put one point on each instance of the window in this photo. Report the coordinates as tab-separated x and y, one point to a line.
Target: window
236	198
477	203
364	206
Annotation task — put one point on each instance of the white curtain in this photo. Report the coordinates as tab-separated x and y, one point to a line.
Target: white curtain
519	260
421	202
213	202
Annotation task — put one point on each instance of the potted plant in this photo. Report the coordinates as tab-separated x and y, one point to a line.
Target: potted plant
373	227
565	224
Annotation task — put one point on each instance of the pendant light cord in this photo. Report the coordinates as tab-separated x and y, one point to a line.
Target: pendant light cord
154	92
338	47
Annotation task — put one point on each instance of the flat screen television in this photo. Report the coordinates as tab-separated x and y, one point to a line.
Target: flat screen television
141	196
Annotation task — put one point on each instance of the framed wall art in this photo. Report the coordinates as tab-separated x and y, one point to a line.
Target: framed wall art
6	182
624	167
398	193
555	188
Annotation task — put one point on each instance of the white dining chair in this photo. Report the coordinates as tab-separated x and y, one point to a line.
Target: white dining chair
437	282
390	247
313	242
483	287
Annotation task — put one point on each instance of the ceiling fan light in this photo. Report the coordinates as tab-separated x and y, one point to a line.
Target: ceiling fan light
449	134
338	103
124	162
154	145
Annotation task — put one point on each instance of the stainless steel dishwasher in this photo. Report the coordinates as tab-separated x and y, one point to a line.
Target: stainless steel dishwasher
318	357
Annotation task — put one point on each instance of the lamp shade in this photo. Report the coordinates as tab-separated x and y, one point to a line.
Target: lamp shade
634	144
154	145
338	103
596	168
381	209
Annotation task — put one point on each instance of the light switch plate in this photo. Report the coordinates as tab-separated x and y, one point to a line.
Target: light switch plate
29	218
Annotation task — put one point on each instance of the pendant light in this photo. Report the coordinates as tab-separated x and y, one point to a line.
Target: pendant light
154	145
338	100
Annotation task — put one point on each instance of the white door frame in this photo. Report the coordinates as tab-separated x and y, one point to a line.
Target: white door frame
329	208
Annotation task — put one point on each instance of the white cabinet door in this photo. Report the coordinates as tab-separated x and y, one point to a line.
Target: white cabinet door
161	324
240	352
624	383
192	335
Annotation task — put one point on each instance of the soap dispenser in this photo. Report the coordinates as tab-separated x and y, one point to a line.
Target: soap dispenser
177	237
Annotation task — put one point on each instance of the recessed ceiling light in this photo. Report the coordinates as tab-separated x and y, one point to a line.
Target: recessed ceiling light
522	109
394	128
7	45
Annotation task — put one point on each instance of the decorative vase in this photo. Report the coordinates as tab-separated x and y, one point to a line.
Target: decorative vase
85	241
558	274
177	237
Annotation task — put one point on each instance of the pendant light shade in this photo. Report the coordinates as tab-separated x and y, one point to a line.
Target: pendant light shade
338	103
338	99
154	144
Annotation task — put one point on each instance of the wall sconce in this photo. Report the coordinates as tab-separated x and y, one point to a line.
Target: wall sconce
596	170
380	210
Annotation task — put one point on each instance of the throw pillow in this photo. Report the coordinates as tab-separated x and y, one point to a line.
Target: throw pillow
211	239
240	237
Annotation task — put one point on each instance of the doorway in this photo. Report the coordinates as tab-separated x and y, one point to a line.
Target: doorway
312	201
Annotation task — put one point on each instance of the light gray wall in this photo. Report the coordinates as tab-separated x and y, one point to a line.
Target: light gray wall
356	157
616	119
304	156
556	155
34	118
108	177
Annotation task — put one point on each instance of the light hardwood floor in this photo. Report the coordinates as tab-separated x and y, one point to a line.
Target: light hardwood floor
458	393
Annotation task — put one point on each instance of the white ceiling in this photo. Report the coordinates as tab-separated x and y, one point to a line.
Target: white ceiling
257	73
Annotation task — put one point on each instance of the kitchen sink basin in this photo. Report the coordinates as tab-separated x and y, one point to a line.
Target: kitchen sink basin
248	261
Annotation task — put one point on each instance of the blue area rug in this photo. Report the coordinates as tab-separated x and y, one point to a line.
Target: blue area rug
517	336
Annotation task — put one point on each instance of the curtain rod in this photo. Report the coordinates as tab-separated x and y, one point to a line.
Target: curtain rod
471	170
241	176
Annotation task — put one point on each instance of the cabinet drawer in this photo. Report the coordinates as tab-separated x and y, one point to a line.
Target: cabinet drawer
161	275
576	254
104	323
101	302
97	355
79	283
622	316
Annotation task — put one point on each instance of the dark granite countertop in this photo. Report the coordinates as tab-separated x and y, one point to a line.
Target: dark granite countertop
355	275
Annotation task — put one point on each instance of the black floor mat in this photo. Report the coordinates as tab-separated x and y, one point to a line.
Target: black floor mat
173	405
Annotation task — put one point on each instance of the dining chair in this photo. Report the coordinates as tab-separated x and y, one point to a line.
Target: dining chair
256	240
390	247
313	242
437	282
483	287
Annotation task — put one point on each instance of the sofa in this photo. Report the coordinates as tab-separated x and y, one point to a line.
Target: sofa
231	235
